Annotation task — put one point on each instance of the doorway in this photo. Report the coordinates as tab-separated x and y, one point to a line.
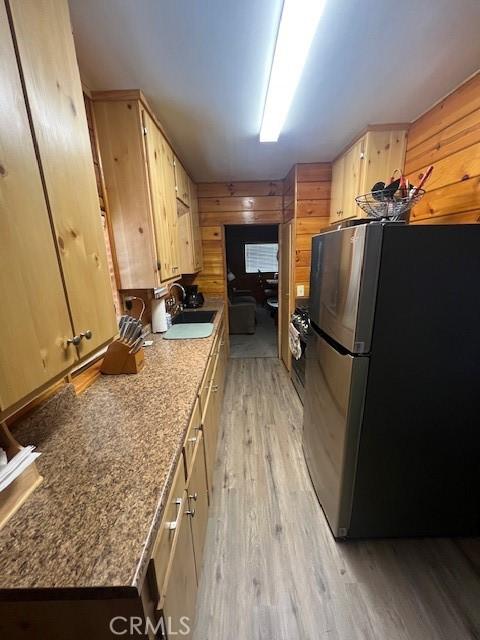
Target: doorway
251	253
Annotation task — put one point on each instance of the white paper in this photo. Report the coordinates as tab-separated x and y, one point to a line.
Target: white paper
17	465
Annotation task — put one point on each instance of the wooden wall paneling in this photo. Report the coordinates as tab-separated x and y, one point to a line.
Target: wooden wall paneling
459	197
457	167
64	151
312	213
462	133
240	189
289	194
470	217
314	172
231	203
304	242
240	204
455	106
449	136
214	218
313	191
313	209
211	279
303	258
311	226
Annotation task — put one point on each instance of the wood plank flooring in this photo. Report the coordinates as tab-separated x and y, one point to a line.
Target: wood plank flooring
272	569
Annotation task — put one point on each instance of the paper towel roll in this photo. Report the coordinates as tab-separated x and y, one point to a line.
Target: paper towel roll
159	316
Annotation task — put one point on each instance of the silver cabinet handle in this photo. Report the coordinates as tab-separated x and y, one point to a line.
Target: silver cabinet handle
75	340
215	387
190	512
171	526
194	497
86	334
192	440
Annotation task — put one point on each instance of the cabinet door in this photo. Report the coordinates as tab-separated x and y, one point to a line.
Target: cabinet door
35	320
185	240
384	152
196	233
351	184
181	183
198	502
121	139
162	193
210	427
336	202
178	600
43	35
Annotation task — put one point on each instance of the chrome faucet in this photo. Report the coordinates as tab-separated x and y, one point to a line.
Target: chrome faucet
176	307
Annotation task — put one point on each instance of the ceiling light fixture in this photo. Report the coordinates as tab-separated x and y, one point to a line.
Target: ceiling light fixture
295	34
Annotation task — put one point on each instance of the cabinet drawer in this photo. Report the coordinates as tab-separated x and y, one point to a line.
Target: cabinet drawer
171	518
192	436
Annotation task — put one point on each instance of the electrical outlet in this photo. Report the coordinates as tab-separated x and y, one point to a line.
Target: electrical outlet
300	290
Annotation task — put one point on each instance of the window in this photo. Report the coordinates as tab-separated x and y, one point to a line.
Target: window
261	257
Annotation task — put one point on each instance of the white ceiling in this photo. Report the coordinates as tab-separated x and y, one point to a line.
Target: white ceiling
204	64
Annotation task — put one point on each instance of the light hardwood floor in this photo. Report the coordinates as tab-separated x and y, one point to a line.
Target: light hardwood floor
272	569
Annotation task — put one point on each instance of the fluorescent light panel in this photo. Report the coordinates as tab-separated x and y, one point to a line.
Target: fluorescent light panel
295	34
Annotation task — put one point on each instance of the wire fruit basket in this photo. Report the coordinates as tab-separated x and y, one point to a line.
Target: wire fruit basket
387	206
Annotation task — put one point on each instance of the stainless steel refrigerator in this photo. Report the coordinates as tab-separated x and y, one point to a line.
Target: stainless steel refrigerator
392	397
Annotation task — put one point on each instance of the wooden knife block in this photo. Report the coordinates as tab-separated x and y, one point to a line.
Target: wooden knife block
12	498
118	359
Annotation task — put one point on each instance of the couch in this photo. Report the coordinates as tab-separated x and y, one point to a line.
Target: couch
242	314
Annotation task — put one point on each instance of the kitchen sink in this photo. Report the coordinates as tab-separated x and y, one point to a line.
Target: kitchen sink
189	317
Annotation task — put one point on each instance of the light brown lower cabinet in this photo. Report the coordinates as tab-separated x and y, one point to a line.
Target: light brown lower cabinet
210	434
197	491
165	608
177	601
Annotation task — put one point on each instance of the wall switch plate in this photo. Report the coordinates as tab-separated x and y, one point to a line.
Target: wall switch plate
300	290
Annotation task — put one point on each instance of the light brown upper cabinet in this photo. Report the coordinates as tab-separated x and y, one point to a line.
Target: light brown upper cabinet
189	235
139	171
54	281
54	93
373	157
196	233
161	174
182	186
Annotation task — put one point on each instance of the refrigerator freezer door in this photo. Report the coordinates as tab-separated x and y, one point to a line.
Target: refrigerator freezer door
334	397
343	283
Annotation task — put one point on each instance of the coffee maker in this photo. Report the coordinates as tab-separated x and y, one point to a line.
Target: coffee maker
193	297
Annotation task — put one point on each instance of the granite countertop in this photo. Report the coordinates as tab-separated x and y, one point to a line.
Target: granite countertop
108	458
